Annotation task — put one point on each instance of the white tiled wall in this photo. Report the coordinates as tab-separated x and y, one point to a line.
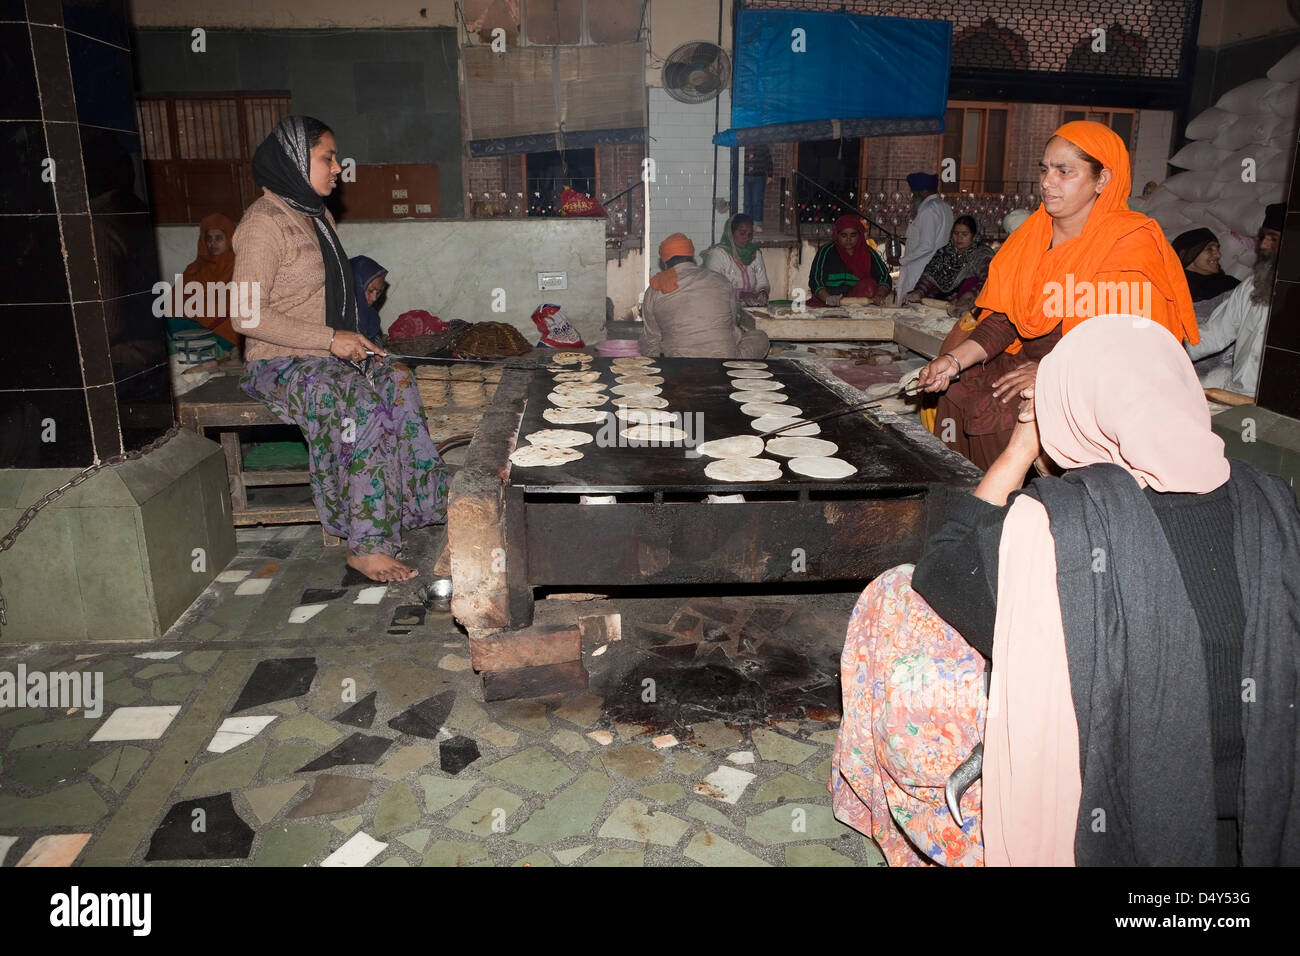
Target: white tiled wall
681	143
1151	154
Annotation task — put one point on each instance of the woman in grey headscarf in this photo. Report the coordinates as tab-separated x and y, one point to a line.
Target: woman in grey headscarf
374	468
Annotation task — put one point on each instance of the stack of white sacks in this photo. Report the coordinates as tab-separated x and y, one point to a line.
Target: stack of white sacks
1236	164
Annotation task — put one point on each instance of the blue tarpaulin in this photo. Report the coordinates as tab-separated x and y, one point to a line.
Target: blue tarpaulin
807	75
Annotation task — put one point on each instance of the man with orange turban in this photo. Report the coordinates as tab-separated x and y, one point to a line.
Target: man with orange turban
690	311
1082	253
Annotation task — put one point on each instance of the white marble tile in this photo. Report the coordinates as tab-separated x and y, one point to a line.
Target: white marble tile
136	723
742	757
237	730
358	851
664	741
305	612
85	657
5	843
233	577
253	586
725	784
59	849
372	595
157	655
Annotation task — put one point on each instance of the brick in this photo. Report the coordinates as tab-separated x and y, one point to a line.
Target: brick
533	646
534	681
599	629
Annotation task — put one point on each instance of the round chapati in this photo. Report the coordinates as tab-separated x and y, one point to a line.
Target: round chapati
759	409
543	456
577	377
747	396
578	388
646	416
640	401
631	360
737	446
636	370
656	434
768	423
759	385
587	400
636	390
748	373
563	437
801	447
881	390
573	416
745	363
825	468
743	469
640	379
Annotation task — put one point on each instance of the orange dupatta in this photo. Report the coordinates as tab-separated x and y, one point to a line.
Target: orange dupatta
1116	243
219	269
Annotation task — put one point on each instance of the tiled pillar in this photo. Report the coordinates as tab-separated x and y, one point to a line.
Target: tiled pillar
83	369
1279	374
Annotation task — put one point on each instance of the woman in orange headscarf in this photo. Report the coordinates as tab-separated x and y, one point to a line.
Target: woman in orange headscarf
1081	253
215	263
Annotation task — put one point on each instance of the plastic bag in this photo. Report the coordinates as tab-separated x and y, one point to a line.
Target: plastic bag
556	330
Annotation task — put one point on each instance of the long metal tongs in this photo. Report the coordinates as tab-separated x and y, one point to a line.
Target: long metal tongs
901	393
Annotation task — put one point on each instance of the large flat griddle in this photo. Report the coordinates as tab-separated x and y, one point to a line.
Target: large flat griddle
886	462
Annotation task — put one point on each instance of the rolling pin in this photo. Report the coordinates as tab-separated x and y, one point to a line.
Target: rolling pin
1225	397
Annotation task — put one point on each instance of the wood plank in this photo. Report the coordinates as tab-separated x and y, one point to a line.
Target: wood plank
290	514
917	340
534	646
275	476
827	330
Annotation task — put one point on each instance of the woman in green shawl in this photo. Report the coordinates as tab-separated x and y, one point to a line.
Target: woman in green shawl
737	257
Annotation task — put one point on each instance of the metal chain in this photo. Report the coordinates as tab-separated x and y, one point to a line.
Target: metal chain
50	497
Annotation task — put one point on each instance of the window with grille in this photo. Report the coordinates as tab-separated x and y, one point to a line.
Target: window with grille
1123	122
198	151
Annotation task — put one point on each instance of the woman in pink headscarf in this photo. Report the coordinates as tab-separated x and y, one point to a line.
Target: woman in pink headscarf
1123	606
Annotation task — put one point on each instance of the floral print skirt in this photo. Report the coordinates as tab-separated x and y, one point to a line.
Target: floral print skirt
913	710
374	468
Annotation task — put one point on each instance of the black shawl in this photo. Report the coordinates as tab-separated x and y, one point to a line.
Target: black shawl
282	164
1143	708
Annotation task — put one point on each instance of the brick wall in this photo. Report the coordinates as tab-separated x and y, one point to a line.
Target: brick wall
681	143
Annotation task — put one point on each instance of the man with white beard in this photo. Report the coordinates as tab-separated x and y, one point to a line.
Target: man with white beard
1242	318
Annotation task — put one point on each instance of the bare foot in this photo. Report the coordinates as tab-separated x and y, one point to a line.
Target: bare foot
381	567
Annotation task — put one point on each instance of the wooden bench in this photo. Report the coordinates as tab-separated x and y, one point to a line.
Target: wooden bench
221	404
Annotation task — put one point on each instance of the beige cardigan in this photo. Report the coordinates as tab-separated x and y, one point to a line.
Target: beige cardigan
276	247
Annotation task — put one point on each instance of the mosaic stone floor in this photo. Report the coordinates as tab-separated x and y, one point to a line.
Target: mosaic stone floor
297	716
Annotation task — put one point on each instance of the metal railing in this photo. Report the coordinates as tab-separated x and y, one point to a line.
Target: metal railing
543	200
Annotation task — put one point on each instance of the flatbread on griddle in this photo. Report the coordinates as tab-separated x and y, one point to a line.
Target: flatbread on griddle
587	400
577	377
656	434
743	469
573	416
801	447
746	397
769	422
646	416
631	360
737	446
640	401
543	456
564	437
827	469
636	390
759	409
640	379
747	373
759	384
744	363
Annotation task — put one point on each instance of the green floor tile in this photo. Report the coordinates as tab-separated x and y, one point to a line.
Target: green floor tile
571	812
709	849
227	772
117	769
446	853
489	812
60	728
75	806
533	769
397	809
45	768
295	845
442	792
794	823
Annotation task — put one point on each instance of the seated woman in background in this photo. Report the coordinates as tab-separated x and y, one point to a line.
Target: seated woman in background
368	279
1198	250
957	271
1154	563
215	263
848	266
738	257
374	469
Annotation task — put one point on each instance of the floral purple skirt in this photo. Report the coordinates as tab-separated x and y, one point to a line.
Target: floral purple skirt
374	468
